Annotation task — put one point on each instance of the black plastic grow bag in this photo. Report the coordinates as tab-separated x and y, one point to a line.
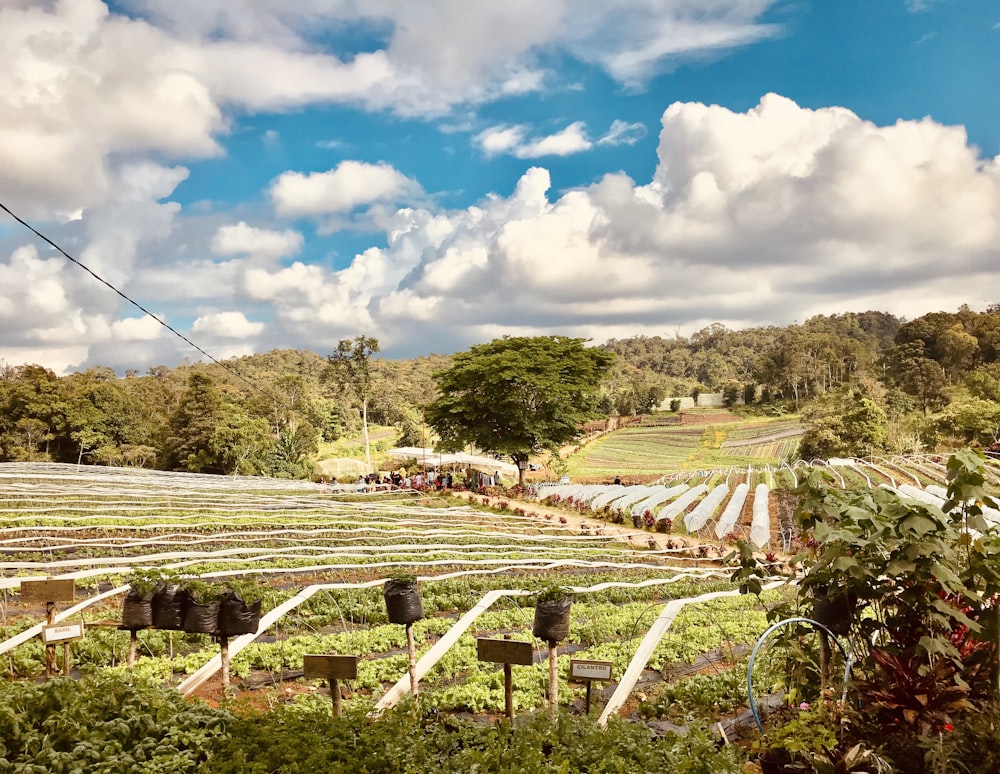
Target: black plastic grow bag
168	608
552	619
237	617
137	610
201	618
834	611
402	602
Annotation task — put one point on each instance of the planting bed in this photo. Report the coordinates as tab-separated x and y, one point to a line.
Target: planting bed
318	563
655	601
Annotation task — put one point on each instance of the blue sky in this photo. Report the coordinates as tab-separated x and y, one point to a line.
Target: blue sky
285	174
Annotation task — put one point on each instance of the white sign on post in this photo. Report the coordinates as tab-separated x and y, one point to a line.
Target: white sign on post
63	632
580	669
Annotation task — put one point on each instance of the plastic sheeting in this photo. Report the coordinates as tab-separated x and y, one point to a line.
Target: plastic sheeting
612	492
732	512
633	494
658	498
681	503
760	525
696	519
438	459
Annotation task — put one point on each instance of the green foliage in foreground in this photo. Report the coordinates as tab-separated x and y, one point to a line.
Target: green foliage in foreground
311	740
103	724
115	725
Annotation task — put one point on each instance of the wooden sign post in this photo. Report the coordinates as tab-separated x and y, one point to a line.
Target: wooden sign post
50	591
64	633
506	652
333	669
582	670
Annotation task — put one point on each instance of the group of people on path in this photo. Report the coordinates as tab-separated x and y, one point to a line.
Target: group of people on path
434	480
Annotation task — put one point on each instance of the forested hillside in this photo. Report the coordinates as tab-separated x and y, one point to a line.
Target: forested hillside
865	383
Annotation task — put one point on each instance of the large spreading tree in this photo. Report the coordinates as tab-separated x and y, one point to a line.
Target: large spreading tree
518	395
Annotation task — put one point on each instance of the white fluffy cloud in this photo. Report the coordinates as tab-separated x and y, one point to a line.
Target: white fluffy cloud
514	141
265	244
226	325
766	216
770	215
572	139
623	133
81	86
351	184
500	139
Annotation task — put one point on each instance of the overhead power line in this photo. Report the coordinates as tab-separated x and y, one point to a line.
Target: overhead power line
134	303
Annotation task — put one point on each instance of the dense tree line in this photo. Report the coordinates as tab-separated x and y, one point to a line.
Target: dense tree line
797	362
866	383
263	414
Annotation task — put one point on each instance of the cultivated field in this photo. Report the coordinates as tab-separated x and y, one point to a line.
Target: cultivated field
653	449
318	563
651	598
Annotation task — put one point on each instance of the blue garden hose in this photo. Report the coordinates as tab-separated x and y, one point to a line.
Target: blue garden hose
848	660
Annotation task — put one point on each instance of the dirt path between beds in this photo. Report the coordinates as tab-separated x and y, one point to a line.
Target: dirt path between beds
638	538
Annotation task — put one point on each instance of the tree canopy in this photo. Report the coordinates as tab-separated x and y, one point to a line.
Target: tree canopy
351	367
518	395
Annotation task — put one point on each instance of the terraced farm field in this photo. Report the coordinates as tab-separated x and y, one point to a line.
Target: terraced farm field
318	563
654	450
655	604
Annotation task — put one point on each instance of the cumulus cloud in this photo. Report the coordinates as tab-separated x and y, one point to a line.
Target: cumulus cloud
770	215
226	325
441	52
572	139
265	244
500	139
78	88
143	328
757	217
513	140
65	309
83	87
350	184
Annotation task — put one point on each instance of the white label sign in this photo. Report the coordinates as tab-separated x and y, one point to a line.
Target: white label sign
62	632
589	670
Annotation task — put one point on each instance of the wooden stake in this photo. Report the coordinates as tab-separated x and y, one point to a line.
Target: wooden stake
50	650
508	691
824	661
553	678
224	654
411	649
334	684
133	641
